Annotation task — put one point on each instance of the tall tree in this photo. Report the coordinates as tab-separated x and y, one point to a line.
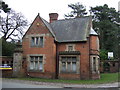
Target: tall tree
7	48
13	25
78	10
104	19
4	6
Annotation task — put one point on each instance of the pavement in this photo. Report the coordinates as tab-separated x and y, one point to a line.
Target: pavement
61	85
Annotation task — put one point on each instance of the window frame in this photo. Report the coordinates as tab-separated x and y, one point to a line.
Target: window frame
71	64
38	63
33	43
95	63
70	49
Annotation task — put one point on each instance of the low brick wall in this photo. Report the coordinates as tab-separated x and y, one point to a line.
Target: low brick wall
69	76
6	60
6	73
9	61
95	76
41	75
113	66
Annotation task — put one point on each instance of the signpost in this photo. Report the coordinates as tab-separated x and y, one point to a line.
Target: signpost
110	55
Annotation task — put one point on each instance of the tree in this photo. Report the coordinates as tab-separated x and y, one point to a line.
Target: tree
103	54
78	10
7	48
4	7
103	23
12	25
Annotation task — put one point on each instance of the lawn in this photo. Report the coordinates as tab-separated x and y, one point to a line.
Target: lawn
105	78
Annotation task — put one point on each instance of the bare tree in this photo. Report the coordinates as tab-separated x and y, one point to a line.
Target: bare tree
13	25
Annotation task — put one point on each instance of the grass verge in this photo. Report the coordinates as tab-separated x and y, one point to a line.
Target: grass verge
105	78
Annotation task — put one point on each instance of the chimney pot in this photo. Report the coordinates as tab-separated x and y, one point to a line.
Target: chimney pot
53	17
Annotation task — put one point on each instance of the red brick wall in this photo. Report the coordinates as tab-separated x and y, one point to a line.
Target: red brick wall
112	68
95	76
49	49
6	58
69	76
94	45
94	50
8	72
41	74
84	59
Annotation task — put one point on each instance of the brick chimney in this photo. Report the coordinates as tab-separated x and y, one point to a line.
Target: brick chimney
53	17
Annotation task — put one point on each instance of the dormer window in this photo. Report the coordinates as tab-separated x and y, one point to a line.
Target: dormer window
37	41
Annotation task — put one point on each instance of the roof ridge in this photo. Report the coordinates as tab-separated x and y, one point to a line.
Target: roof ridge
69	19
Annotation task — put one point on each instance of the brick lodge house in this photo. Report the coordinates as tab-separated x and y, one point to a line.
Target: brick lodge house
63	49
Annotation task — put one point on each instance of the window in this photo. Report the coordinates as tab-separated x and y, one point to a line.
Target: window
68	64
74	68
70	47
37	41
63	66
40	65
31	65
36	63
94	64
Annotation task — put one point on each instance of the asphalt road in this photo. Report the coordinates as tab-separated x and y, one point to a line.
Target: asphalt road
11	83
7	84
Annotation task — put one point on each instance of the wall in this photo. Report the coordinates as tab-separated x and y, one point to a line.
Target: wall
48	50
94	45
83	47
9	61
113	68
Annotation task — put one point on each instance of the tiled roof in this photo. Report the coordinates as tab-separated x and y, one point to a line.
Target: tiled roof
71	30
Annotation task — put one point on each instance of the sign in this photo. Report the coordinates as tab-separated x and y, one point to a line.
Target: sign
110	55
5	67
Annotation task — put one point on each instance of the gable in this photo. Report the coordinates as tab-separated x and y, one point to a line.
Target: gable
39	26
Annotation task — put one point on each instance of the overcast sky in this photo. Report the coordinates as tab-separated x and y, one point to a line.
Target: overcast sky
30	8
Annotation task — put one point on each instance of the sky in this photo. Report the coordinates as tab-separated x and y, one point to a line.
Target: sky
30	8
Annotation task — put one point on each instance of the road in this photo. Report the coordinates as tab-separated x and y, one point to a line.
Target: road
11	83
